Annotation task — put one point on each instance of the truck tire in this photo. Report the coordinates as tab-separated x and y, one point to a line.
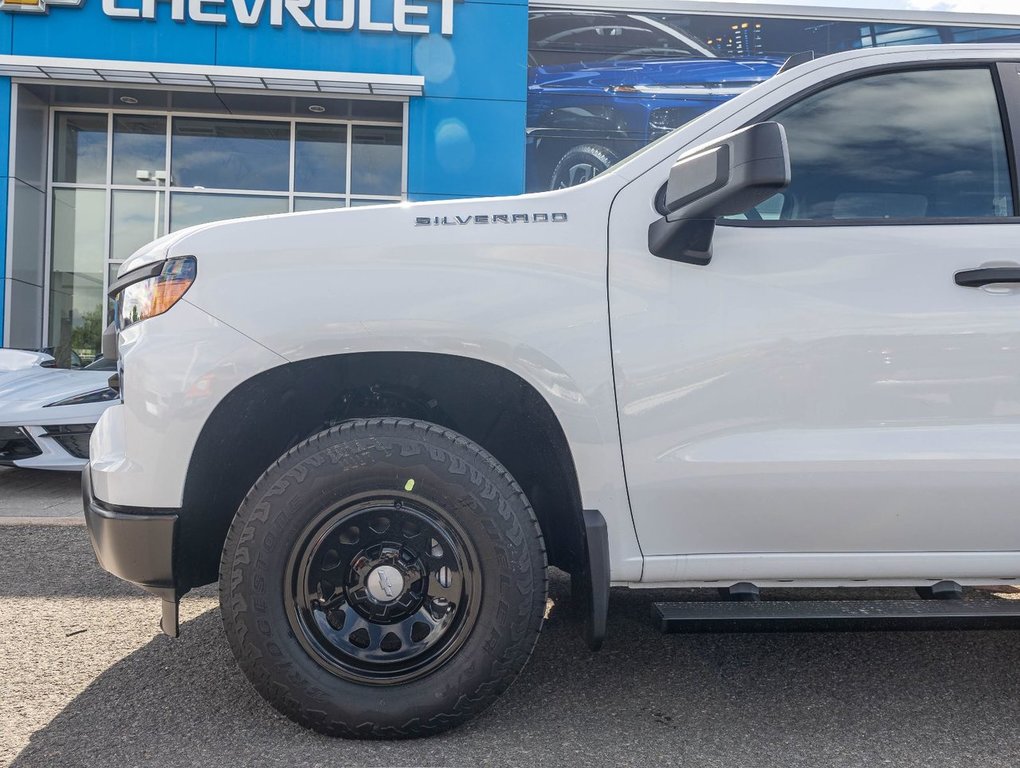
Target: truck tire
581	164
385	578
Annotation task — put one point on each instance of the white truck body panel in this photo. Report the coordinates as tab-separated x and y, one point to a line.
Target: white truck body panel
485	291
775	476
177	371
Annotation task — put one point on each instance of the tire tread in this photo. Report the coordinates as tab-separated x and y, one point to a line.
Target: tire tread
289	698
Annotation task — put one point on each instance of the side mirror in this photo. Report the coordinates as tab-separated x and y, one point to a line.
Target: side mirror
722	178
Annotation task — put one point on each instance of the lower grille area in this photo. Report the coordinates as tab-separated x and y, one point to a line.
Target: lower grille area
73	438
16	444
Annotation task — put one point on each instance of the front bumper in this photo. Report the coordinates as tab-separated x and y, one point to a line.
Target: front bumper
136	545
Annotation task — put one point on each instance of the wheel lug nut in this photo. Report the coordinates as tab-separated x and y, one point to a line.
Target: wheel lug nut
440	606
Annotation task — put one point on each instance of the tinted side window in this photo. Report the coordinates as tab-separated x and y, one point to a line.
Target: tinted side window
903	145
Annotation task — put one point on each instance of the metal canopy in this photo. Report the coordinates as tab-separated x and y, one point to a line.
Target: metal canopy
49	69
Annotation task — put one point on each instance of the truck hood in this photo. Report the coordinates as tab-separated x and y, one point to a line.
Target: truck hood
429	268
655	72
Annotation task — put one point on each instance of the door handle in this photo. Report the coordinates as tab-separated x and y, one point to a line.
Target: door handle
975	278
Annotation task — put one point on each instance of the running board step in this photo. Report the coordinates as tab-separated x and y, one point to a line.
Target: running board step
836	615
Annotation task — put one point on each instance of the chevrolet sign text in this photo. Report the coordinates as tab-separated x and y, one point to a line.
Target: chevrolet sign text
408	16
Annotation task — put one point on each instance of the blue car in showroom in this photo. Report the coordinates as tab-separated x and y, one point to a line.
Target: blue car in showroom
582	118
603	84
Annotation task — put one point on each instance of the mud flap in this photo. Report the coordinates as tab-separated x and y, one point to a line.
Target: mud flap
170	622
590	587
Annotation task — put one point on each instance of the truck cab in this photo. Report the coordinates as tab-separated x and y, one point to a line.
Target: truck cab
776	347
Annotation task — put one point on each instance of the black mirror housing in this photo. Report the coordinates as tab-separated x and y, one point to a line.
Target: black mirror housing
722	178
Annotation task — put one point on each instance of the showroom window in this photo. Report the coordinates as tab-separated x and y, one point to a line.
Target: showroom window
119	180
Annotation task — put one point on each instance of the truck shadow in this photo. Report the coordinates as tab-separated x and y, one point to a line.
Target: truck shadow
844	699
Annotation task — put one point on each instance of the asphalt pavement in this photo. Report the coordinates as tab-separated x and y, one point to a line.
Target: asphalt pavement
87	680
28	494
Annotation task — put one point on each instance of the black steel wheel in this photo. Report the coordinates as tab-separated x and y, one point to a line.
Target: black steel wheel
385	578
382	589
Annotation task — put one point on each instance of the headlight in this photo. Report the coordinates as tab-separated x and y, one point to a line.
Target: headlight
155	295
99	396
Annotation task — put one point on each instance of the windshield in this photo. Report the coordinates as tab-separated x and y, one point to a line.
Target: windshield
101	364
562	38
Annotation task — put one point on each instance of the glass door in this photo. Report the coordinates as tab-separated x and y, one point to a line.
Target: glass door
77	246
137	177
105	202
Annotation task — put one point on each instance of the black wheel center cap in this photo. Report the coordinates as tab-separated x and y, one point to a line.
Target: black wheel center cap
386	582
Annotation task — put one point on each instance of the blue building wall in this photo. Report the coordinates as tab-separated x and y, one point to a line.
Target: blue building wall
465	135
475	79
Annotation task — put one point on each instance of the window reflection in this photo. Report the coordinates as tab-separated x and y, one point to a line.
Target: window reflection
76	276
139	145
79	153
317	203
874	35
903	145
320	158
190	208
137	218
376	160
367	203
230	154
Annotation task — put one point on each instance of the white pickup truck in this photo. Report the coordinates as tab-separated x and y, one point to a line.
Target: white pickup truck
778	347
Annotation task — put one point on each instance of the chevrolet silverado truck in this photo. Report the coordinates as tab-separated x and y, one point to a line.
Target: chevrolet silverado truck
779	347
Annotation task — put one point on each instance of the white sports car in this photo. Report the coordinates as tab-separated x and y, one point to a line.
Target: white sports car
47	414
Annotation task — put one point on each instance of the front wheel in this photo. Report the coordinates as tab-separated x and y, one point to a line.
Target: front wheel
385	578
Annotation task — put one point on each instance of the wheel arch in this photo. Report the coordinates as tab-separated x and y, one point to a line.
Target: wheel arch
272	411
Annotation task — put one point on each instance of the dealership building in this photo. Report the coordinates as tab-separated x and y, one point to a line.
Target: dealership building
124	120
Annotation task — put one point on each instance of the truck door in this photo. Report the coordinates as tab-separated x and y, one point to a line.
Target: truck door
841	377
